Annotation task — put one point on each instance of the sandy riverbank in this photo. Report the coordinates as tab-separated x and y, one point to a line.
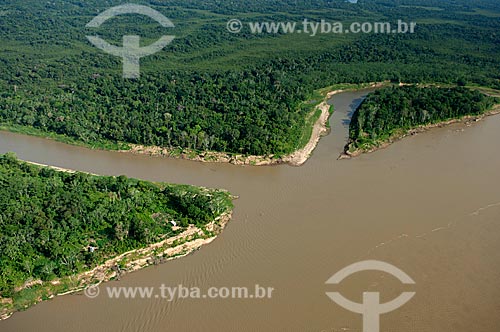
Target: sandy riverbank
351	152
56	168
297	158
188	241
320	129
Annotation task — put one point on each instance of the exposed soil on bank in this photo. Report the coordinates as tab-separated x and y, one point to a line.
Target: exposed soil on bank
297	158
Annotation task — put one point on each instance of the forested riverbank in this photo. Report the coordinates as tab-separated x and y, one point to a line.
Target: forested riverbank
63	230
317	113
392	113
236	94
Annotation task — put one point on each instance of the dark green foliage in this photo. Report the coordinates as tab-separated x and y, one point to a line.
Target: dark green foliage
401	108
48	219
212	90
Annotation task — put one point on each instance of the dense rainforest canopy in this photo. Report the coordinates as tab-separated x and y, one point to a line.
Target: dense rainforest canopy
389	110
49	219
213	90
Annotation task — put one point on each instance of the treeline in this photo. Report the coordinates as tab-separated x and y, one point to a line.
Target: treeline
235	112
393	109
213	90
49	219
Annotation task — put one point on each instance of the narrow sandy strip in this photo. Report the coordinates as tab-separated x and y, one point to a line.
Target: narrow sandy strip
296	158
56	168
320	128
190	240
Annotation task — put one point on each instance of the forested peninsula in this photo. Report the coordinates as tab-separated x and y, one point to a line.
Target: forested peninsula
61	231
391	113
240	94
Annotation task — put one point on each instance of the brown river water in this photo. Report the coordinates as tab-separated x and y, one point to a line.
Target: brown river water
429	204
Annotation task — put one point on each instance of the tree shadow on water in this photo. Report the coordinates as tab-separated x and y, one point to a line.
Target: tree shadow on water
352	108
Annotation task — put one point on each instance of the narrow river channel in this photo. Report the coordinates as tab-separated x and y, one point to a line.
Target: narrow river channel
429	205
